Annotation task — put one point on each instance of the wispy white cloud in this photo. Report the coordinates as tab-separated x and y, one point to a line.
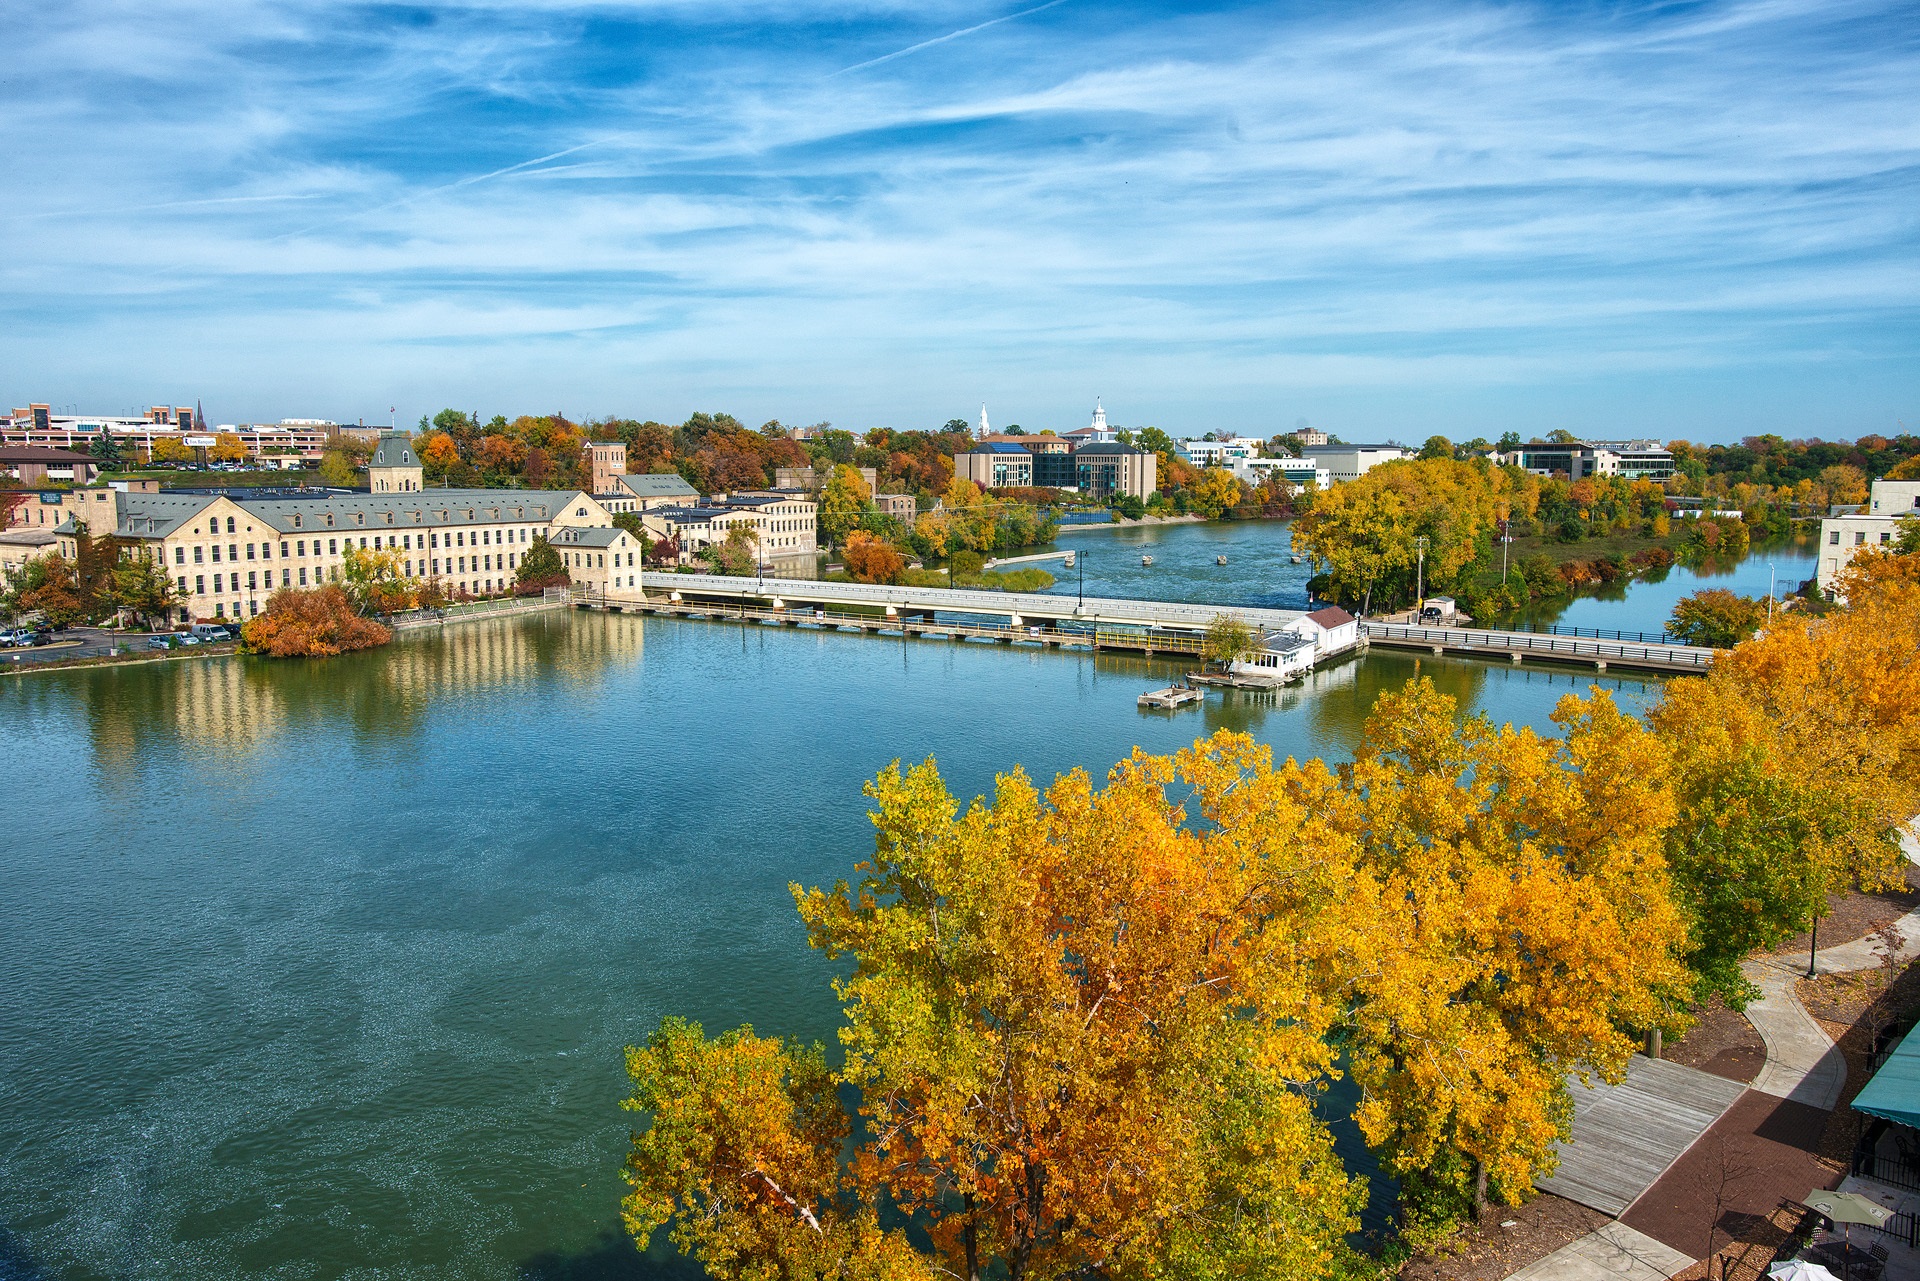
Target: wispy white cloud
1237	200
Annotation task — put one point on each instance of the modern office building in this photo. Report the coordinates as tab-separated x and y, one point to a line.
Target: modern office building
1108	469
999	464
1218	453
1301	472
296	440
1633	459
1350	462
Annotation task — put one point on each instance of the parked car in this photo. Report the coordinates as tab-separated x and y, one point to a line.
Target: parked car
184	638
210	633
37	639
14	636
159	642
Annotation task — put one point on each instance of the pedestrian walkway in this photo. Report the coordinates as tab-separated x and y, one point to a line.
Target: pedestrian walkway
1613	1253
1626	1135
1755	1151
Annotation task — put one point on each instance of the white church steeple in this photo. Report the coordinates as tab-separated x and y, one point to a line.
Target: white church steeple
984	429
1099	416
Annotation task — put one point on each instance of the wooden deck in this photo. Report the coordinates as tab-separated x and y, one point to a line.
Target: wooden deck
1625	1136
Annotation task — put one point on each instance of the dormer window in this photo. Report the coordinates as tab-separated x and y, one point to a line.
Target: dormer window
359	518
296	521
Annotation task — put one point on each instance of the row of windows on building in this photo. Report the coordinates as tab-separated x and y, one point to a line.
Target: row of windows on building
1859	538
290	548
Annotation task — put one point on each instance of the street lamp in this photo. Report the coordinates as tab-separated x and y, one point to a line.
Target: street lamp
1420	545
1504	540
1772	576
1080	562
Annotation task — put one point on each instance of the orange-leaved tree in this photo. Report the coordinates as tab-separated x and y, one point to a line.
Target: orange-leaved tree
869	559
311	623
1085	1038
1511	924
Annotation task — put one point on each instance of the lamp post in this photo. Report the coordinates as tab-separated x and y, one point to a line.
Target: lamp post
1772	576
1504	540
1080	562
1420	545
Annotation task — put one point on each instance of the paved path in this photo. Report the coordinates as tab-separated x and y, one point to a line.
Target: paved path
1613	1253
1805	1071
1626	1135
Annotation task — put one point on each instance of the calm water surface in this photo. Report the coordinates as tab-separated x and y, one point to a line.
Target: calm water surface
1260	571
324	970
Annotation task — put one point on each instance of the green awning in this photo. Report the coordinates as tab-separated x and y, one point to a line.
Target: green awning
1894	1091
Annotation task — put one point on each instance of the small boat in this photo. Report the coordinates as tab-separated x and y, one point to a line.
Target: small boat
1296	560
1219	560
1146	560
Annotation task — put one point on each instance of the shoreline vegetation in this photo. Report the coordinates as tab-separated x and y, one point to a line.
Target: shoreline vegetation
1083	1025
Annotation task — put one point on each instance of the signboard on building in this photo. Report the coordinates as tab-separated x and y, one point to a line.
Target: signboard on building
199	442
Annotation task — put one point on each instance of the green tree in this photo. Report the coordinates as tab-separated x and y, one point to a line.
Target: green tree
142	588
541	567
107	449
1227	639
1154	440
844	499
1437	447
737	555
1716	617
375	582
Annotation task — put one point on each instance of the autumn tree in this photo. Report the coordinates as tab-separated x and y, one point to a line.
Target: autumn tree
1797	762
1511	925
45	585
228	448
376	582
1213	492
843	501
311	623
170	449
337	469
1716	617
1084	1038
438	454
871	560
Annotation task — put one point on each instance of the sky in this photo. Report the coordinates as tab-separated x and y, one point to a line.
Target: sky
1695	221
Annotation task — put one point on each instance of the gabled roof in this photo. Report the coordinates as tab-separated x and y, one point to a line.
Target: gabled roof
1330	617
659	485
589	536
157	515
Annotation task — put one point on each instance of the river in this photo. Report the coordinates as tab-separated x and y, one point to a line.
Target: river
1260	571
323	970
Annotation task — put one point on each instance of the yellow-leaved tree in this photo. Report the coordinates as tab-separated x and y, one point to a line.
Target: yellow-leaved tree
1085	1038
1510	923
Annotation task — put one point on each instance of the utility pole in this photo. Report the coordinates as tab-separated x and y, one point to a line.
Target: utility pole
1079	560
1504	540
1420	545
1772	575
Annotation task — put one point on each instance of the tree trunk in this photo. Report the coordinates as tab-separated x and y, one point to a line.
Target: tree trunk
1479	1191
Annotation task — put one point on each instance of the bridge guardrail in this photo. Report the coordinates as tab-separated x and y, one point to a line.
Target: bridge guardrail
1678	656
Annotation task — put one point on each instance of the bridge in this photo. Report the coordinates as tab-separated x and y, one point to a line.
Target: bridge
1018	608
1096	622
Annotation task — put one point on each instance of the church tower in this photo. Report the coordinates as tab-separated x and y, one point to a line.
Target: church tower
1099	417
394	469
984	429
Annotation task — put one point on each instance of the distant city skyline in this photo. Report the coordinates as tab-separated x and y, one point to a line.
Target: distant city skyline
1694	222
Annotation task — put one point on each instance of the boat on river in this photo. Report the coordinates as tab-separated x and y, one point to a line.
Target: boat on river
1219	560
1146	560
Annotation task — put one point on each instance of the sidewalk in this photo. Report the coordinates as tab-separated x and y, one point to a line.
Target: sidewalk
1772	1130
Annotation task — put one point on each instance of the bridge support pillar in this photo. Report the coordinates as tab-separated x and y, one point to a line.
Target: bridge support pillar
1515	658
1599	664
1438	650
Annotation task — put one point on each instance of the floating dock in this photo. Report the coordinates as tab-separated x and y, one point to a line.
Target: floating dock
1171	697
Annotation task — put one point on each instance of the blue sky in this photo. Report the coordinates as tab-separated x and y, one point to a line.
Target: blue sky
1681	220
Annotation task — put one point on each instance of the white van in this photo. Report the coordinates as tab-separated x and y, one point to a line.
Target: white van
210	633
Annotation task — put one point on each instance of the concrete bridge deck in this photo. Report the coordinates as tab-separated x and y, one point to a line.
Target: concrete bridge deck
1016	607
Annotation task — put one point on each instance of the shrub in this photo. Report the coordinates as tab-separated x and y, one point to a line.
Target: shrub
310	624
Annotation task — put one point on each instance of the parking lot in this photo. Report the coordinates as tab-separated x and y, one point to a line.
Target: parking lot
81	642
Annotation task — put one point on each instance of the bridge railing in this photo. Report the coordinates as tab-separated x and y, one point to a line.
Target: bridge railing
1678	656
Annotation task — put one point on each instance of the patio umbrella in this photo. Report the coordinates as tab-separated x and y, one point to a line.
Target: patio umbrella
1800	1270
1848	1207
